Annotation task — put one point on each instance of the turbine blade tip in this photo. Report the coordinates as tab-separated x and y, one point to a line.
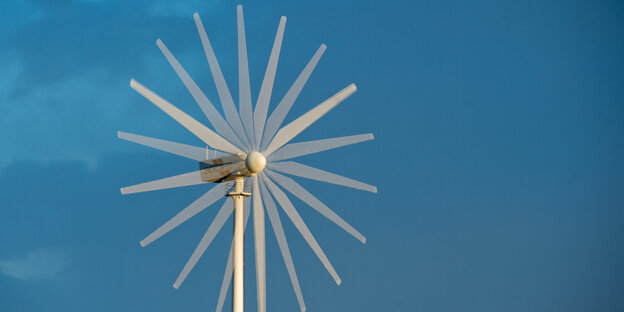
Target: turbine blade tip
133	83
119	134
338	281
353	87
196	15
363	240
323	47
283	19
176	285
374	189
123	191
371	136
159	42
143	243
239	7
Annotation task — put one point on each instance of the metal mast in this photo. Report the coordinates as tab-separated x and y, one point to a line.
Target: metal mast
238	194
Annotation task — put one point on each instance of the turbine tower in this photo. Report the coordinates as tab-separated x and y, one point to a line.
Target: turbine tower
251	146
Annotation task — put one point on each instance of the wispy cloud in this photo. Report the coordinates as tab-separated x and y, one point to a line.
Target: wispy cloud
64	89
39	264
165	8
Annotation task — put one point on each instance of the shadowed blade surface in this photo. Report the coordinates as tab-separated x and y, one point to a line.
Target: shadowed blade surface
276	223
231	115
194	208
262	106
184	150
294	128
209	110
282	109
214	228
297	169
229	268
292	213
297	190
186	179
293	150
199	130
258	214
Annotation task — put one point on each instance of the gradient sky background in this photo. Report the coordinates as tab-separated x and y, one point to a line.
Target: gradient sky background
498	154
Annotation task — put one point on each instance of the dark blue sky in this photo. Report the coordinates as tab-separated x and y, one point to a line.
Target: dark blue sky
498	154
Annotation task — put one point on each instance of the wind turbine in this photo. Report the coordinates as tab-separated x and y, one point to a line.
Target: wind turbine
248	146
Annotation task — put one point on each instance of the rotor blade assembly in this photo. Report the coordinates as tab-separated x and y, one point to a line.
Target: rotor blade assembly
249	146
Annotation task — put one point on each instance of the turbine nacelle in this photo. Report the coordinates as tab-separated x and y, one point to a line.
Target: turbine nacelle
229	167
255	162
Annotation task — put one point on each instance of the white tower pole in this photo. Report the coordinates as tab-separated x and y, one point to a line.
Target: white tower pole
238	194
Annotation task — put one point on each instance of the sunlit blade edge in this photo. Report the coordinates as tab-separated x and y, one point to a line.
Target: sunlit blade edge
185	179
259	239
293	150
278	229
262	105
294	216
204	103
184	150
202	132
279	113
212	231
231	114
301	193
297	169
244	89
191	210
292	129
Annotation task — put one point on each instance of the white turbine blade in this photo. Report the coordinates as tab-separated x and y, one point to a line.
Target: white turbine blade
187	151
194	208
244	90
262	106
294	216
231	115
293	150
297	190
282	109
300	170
199	130
294	128
281	241
186	179
258	214
213	229
209	110
229	268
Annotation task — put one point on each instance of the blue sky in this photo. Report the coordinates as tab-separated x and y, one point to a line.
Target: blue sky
497	154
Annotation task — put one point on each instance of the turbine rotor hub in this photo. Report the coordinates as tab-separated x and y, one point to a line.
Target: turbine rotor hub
255	162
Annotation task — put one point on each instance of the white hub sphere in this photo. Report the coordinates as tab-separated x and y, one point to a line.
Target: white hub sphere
255	162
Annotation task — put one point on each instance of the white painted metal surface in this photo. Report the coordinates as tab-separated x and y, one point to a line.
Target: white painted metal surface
238	195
